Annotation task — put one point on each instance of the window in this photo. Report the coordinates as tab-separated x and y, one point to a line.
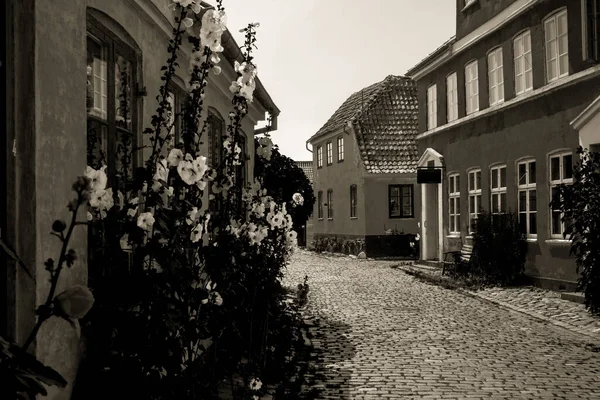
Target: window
523	66
452	97
320	204
592	30
216	130
561	172
526	186
319	156
110	102
496	76
353	195
474	198
454	203
472	87
498	190
557	52
176	97
400	201
329	153
340	149
330	204
431	107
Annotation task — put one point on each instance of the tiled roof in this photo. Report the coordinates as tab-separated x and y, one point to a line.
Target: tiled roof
307	167
384	118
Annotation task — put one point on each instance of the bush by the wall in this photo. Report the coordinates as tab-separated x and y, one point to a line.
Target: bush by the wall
335	244
499	250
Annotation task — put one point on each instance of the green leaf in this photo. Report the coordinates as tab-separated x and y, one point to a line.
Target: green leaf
12	254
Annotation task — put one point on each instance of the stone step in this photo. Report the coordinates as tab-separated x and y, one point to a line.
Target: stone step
576	297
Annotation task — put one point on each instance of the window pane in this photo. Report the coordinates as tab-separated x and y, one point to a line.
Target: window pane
457	207
556	226
532	200
502	177
471	181
526	42
523	222
568	167
550	29
522	174
452	205
503	206
554	195
533	223
563	64
478	180
452	229
457	183
562	24
97	77
494	178
522	201
123	83
532	172
495	201
529	77
471	204
555	168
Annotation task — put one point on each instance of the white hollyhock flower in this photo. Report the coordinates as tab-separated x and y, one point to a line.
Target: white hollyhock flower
196	234
98	178
298	199
132	212
146	221
255	384
188	22
175	157
216	70
192	216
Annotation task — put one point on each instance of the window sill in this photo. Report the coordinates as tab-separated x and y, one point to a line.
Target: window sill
559	242
410	217
469	236
319	219
353	217
532	239
320	167
329	219
340	161
453	236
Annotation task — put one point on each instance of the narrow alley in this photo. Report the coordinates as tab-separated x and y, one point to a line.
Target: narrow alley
380	333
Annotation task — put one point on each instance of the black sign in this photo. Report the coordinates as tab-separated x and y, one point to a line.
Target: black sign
429	175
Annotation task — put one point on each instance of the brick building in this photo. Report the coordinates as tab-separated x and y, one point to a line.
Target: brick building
364	162
59	63
496	104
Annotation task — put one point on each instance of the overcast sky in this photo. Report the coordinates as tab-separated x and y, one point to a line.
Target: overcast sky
313	54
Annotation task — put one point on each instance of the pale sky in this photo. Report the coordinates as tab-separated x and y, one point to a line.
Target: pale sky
313	54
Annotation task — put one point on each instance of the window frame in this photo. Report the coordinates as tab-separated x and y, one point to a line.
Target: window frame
114	46
319	156
554	183
400	197
471	84
353	201
497	192
432	107
320	205
497	70
452	97
554	18
180	98
523	37
454	202
475	193
330	204
527	188
590	30
329	150
340	149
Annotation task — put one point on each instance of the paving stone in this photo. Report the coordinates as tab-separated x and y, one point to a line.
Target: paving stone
382	330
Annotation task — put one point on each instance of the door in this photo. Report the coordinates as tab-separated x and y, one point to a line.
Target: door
431	222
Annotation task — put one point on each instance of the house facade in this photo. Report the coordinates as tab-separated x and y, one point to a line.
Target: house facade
496	105
59	62
364	163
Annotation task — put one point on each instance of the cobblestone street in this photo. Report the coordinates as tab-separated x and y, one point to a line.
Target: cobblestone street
378	333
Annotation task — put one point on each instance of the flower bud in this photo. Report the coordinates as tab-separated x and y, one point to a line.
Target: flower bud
59	225
74	302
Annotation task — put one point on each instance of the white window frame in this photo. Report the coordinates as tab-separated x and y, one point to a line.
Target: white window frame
329	148
454	203
523	62
475	193
432	107
340	149
497	192
590	51
554	183
100	82
319	156
452	97
472	87
552	44
527	187
496	76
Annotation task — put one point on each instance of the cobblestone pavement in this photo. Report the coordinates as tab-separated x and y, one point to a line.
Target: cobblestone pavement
379	333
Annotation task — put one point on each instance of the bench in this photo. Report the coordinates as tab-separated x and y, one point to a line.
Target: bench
453	258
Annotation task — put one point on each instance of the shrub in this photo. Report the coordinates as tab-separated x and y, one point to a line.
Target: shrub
499	250
580	205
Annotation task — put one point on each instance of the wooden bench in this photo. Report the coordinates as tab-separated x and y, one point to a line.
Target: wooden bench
453	258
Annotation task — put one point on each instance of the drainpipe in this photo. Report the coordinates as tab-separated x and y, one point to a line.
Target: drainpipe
306	145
